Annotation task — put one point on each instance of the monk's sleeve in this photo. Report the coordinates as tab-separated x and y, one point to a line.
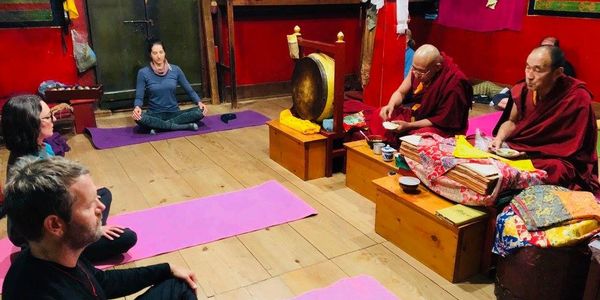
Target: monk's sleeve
574	128
453	111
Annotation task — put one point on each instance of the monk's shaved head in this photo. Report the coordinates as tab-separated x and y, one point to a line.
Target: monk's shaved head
428	54
427	61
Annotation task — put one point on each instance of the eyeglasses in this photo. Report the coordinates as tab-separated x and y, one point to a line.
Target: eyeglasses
49	118
420	73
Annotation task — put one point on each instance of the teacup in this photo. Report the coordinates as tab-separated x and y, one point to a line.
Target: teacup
377	148
387	153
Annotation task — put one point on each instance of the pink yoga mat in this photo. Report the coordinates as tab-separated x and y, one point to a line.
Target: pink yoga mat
485	123
173	227
361	287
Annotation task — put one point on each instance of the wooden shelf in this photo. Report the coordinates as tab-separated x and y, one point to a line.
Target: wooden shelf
95	92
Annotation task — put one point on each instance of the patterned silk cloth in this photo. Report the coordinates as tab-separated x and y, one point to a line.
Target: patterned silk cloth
436	159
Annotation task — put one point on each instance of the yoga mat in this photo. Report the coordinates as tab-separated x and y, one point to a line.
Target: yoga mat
361	287
104	138
173	227
485	123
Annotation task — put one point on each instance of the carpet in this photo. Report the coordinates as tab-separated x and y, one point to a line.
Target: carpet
104	138
177	226
485	123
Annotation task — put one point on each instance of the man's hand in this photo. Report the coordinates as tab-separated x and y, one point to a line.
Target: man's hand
402	126
112	232
496	143
203	108
137	113
386	112
185	275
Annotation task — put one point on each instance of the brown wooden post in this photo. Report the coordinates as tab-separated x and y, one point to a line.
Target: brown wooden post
210	50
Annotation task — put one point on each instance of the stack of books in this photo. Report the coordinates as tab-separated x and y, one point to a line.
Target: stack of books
478	177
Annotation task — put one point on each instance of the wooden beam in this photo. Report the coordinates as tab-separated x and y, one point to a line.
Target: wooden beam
232	72
210	50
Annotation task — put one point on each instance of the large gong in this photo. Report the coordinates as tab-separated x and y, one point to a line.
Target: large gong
312	87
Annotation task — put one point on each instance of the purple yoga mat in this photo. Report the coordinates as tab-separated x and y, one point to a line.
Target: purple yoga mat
361	287
104	138
485	123
173	227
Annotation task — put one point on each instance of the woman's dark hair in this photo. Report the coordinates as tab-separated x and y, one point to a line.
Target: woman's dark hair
151	42
21	126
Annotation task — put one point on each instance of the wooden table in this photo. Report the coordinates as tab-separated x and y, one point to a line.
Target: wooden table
362	166
409	221
301	154
83	103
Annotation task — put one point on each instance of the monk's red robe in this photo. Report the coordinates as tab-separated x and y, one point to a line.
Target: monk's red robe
445	102
559	133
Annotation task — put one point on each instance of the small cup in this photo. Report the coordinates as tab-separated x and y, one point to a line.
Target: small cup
387	153
377	148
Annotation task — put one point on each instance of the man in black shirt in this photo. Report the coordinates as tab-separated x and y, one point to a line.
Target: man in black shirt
54	205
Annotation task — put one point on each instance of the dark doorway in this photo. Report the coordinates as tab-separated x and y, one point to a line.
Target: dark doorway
119	29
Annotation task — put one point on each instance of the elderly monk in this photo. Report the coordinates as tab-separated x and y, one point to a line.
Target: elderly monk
553	122
441	95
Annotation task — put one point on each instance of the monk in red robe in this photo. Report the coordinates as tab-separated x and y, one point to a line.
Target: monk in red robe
441	95
552	121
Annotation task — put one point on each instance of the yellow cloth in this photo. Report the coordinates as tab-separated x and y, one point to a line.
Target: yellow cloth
464	149
304	126
419	88
570	234
71	9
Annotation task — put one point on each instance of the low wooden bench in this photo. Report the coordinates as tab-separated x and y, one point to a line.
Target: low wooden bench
409	221
301	154
362	166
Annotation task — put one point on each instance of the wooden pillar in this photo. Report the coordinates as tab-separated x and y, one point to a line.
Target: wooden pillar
205	6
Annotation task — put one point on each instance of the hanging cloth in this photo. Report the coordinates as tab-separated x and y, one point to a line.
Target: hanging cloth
71	9
401	16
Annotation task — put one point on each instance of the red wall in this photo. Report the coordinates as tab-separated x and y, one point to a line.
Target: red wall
500	56
261	46
32	55
35	54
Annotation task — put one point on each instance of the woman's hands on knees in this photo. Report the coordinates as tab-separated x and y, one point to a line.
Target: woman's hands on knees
137	113
203	108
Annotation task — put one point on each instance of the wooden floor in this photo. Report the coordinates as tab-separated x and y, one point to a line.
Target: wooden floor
274	263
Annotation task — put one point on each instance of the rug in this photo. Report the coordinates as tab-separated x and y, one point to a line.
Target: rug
177	226
360	287
485	123
104	138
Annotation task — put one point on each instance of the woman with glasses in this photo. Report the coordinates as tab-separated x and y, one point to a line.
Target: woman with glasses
26	122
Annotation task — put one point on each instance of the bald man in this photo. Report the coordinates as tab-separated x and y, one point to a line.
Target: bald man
553	41
553	122
441	95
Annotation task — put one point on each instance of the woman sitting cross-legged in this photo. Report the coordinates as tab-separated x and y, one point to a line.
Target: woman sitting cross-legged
159	80
26	122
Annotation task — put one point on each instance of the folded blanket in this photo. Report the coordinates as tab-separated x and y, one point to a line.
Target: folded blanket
304	126
548	205
512	233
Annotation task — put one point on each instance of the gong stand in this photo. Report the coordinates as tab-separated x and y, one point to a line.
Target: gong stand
337	51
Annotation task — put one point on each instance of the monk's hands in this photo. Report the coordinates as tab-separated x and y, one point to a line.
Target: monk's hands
184	274
402	126
137	113
203	108
386	112
496	144
112	232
